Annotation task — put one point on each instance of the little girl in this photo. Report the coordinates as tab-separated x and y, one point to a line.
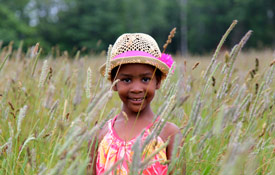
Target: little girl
136	61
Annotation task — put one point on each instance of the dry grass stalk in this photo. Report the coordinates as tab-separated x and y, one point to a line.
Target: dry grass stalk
10	46
36	59
210	79
44	73
256	88
263	130
19	50
21	115
30	138
195	109
88	83
11	106
186	134
169	40
226	58
219	48
233	55
77	55
213	81
125	116
108	62
196	65
35	49
5	59
257	63
113	167
65	109
168	77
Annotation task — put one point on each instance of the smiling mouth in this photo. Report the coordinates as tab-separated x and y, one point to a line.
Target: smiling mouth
137	99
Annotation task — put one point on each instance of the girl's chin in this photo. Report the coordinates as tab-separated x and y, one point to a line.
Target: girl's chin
135	109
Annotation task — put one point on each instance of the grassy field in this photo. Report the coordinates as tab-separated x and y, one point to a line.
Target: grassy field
224	105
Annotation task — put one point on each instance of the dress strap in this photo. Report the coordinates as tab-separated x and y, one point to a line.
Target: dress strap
111	123
113	120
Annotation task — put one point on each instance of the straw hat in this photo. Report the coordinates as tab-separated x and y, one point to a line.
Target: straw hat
138	48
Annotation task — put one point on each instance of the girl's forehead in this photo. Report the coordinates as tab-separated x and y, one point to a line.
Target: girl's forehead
136	67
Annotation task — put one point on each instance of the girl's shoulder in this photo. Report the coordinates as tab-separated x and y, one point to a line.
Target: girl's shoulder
169	130
103	131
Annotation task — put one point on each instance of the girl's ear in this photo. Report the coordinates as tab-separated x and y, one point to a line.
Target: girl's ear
158	84
115	87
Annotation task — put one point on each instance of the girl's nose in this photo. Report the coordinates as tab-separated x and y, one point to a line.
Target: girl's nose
136	87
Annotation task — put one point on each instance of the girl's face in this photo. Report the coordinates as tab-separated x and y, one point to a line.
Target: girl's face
137	86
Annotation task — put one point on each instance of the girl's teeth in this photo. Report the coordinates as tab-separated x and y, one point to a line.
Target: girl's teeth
139	99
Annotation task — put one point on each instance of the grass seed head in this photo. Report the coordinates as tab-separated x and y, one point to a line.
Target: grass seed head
21	115
169	40
196	65
88	83
44	74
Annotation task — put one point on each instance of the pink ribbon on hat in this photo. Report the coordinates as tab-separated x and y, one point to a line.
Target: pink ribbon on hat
165	58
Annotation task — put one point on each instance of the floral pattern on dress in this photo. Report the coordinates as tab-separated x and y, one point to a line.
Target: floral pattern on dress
112	149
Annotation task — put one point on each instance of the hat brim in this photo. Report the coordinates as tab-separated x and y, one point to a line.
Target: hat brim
135	59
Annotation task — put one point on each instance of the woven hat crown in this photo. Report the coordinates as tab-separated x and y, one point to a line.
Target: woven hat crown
135	42
138	48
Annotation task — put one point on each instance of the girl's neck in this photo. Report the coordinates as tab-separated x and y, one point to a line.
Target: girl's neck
146	113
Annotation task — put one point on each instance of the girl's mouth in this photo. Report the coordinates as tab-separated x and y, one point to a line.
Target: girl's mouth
136	101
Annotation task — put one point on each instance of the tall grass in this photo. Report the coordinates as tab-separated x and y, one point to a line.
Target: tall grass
224	107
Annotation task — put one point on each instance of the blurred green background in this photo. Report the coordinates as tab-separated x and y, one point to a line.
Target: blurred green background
91	25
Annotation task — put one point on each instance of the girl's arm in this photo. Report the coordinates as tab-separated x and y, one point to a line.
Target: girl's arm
93	145
172	132
93	149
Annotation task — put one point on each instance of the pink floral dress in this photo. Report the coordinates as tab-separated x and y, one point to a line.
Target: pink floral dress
112	149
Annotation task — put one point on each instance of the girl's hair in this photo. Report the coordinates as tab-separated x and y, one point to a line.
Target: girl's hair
158	73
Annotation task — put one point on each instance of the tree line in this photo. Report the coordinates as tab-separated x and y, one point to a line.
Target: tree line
91	25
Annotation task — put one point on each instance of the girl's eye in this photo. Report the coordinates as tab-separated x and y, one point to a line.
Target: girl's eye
126	80
146	79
